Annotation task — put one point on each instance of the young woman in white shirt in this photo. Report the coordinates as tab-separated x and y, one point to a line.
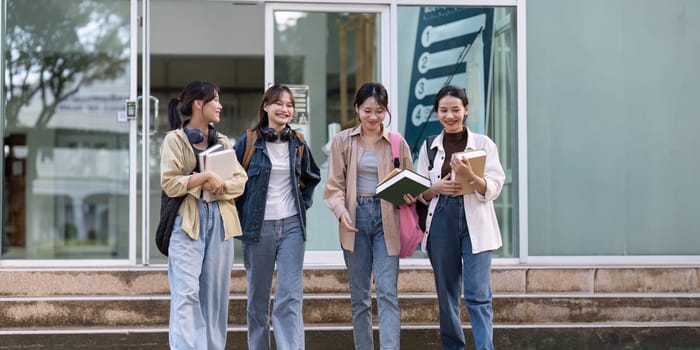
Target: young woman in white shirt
462	229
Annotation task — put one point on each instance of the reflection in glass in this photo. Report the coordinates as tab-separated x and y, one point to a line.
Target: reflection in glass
238	70
66	179
333	54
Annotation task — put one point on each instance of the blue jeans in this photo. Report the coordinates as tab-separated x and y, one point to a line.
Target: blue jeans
450	252
370	256
199	274
281	241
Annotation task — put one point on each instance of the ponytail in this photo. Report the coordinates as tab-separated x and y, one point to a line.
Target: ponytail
195	90
173	115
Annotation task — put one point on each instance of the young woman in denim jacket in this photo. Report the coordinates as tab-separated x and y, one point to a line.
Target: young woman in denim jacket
462	230
200	255
273	216
369	227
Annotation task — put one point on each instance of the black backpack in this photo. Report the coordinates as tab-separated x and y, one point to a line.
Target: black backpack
421	208
169	207
168	212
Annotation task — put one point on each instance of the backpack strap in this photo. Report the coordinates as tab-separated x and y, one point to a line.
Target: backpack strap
431	151
395	148
251	135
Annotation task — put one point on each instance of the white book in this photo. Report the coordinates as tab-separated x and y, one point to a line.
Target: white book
203	154
220	161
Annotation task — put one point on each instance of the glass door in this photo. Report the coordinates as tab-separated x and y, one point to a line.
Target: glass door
218	41
68	68
325	52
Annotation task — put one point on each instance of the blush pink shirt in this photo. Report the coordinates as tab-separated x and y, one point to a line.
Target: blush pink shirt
340	194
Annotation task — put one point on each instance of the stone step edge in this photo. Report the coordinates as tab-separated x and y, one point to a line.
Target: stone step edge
348	327
317	296
498	265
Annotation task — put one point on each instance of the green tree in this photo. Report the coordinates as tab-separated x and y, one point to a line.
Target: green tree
54	48
51	50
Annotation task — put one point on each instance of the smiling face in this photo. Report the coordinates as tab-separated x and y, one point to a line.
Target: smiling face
451	111
212	110
280	112
371	115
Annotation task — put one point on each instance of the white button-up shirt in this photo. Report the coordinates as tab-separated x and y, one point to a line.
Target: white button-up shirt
478	209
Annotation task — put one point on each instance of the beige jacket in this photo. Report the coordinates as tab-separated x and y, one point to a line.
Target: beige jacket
340	194
177	161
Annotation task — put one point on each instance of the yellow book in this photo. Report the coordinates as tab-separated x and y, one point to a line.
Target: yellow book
389	176
477	159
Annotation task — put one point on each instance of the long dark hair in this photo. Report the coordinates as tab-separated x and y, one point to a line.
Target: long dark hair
195	90
376	90
272	95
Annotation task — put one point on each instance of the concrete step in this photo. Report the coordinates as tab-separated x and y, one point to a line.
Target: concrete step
153	311
505	280
599	336
534	307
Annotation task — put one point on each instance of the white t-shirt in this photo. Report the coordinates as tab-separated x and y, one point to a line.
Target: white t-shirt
280	197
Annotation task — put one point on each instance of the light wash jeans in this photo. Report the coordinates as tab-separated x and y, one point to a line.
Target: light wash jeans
370	256
450	252
199	273
281	241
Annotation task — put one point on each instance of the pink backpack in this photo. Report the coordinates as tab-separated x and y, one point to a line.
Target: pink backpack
411	234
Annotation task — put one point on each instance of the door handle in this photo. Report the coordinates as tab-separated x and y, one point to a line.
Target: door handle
154	124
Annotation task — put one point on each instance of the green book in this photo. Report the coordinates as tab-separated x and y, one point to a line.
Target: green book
402	182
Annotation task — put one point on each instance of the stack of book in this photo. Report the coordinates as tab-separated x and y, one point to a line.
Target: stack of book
219	160
477	160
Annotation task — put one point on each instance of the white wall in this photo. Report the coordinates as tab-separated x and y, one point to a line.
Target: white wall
612	127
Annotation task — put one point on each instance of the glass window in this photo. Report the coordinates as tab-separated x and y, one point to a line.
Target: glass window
66	162
474	48
328	55
612	127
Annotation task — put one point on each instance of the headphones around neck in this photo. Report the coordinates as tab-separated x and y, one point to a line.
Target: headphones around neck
270	134
195	136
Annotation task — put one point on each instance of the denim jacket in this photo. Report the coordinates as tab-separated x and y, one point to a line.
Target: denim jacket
251	205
